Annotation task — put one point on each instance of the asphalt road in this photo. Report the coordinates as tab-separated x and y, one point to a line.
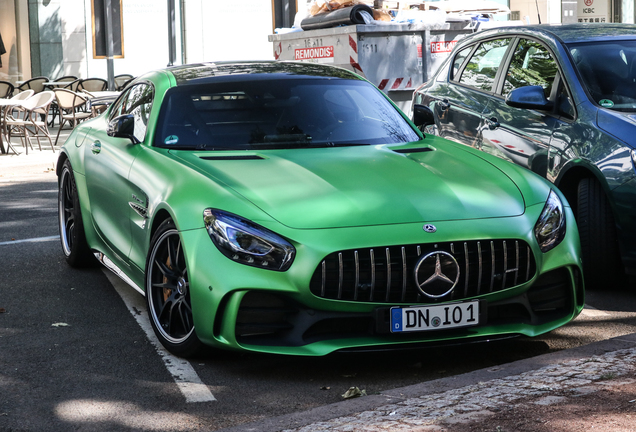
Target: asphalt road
74	353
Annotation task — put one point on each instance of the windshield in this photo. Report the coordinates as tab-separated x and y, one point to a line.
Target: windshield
275	114
608	70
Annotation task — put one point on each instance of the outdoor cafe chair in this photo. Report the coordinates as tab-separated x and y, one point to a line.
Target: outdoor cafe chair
35	84
66	78
73	85
6	89
93	84
7	111
32	121
72	108
121	81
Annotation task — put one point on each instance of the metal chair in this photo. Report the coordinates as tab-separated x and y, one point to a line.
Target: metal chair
73	85
6	89
71	105
35	84
23	95
66	78
8	112
30	124
93	84
121	81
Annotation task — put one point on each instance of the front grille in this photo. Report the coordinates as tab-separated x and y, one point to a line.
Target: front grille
386	274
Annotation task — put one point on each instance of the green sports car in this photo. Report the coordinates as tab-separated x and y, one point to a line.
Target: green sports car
292	208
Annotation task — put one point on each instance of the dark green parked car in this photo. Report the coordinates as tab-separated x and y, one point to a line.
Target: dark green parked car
561	101
292	208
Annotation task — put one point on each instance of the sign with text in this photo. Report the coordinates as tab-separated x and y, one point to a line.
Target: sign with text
318	54
593	11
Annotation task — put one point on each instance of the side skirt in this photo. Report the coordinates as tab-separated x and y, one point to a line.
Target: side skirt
110	265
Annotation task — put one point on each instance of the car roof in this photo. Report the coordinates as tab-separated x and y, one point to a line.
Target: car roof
254	70
570	33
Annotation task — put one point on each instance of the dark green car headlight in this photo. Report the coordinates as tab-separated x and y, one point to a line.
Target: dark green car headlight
246	242
550	228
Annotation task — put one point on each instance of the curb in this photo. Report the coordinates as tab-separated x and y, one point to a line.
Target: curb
356	406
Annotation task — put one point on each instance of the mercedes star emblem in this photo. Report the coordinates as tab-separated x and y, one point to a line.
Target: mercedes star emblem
436	274
429	228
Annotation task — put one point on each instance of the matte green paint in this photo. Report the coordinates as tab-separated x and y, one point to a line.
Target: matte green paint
321	200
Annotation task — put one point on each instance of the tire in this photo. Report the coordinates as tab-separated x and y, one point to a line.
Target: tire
168	293
72	235
602	264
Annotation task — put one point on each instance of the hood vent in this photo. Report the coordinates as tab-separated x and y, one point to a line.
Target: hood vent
231	157
414	150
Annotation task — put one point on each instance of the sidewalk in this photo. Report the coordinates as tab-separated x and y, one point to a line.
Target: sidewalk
37	162
590	387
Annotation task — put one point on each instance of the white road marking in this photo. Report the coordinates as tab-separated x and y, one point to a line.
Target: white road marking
181	370
31	240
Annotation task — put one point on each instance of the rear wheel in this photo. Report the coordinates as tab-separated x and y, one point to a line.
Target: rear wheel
72	235
602	264
168	293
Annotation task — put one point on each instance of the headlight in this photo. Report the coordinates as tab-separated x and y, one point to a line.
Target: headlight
634	158
247	243
550	228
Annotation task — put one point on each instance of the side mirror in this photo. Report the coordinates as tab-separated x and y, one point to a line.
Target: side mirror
422	115
123	126
529	97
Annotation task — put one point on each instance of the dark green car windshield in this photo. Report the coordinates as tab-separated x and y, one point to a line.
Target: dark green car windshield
278	114
608	71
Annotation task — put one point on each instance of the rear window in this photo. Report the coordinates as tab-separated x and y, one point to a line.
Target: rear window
290	113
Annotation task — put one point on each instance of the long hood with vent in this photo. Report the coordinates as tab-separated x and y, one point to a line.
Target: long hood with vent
363	185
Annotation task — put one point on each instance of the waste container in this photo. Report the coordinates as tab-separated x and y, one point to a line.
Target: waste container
397	58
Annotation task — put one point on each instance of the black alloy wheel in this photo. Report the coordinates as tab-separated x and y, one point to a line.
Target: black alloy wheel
168	293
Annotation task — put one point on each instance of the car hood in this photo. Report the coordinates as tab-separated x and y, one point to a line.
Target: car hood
362	186
622	125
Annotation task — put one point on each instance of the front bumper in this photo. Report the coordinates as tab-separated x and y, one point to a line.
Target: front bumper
241	307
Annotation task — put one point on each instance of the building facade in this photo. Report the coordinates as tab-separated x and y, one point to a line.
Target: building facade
54	38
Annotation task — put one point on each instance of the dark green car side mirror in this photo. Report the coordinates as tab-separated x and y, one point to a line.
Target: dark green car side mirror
123	126
529	97
422	115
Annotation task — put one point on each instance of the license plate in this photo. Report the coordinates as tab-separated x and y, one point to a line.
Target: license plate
438	317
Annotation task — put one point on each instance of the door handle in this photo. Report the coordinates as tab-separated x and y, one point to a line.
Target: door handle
443	104
493	123
96	147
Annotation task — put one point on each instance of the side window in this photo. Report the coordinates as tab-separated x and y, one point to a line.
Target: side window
482	67
139	103
564	105
458	61
531	64
136	101
117	106
442	73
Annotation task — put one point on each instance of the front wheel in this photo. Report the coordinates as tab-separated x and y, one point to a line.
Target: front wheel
168	293
602	264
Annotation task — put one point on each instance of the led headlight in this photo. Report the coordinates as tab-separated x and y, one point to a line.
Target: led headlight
550	228
246	242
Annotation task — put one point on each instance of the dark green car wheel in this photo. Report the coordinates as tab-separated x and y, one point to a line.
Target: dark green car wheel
72	235
168	293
